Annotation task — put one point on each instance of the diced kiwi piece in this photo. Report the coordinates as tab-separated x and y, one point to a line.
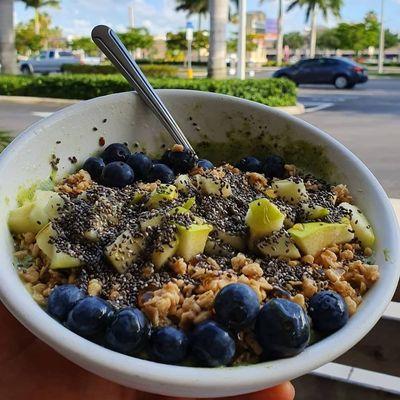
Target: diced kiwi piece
33	215
163	192
215	247
360	224
313	237
125	250
279	244
151	221
192	240
58	259
314	211
178	210
213	185
234	240
137	197
162	254
183	183
263	217
291	191
189	203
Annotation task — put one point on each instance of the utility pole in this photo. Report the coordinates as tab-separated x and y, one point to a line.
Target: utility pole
279	42
131	17
241	68
381	43
189	39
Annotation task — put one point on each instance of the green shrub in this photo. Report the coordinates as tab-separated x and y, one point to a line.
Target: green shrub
272	92
151	70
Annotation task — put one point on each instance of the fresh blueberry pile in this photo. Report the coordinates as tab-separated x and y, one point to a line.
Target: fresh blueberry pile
118	167
281	327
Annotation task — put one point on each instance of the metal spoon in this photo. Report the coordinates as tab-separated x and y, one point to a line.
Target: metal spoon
110	44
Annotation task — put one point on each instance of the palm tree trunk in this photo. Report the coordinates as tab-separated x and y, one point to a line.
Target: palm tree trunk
279	42
218	22
199	30
7	45
37	22
313	38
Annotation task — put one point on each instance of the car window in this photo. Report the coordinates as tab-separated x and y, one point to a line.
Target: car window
42	55
65	54
307	63
51	54
327	62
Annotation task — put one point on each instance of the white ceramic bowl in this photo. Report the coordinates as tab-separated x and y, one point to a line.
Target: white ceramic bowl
203	117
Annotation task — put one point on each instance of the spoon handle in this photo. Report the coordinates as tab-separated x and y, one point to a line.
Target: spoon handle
110	44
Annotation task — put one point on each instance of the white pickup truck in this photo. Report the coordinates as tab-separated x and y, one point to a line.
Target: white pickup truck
48	61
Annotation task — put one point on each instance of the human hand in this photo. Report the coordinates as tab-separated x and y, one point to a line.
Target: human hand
31	369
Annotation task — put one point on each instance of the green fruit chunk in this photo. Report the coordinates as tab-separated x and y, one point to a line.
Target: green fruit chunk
33	215
213	185
290	191
263	217
151	221
235	241
215	247
314	211
192	240
164	252
58	259
137	197
360	224
162	193
189	203
125	250
183	183
312	237
279	244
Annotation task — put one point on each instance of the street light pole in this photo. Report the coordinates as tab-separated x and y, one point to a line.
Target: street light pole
241	71
189	38
381	42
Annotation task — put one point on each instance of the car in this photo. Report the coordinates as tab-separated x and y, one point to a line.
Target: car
342	72
48	61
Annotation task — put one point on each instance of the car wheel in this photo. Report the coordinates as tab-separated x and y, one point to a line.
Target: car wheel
25	70
341	82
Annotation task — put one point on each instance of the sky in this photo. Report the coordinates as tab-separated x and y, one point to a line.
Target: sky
77	17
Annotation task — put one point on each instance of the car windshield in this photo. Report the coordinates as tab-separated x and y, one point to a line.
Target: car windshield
65	54
346	60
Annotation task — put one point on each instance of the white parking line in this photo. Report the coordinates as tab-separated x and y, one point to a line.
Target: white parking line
42	114
311	106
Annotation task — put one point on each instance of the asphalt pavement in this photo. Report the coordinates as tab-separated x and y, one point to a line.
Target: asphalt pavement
366	119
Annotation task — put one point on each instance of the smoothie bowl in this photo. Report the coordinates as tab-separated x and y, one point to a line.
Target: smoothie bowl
272	255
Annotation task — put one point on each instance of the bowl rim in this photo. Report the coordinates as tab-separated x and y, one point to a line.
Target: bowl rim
122	368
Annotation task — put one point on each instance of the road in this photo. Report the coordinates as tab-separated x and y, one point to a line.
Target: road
365	119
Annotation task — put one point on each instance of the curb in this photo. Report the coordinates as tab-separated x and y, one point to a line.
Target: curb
292	110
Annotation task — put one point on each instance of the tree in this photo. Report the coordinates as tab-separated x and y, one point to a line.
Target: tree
86	44
391	39
295	40
8	57
312	6
328	39
137	38
199	7
36	5
27	41
218	21
251	45
177	43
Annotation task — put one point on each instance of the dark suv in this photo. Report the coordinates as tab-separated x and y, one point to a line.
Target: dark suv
339	71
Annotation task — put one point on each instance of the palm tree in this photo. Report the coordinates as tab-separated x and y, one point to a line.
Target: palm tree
312	6
199	7
7	46
36	5
219	10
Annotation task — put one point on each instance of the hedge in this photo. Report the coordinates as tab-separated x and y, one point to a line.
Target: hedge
151	70
272	92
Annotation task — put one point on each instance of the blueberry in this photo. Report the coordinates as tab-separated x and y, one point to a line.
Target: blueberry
328	311
274	167
141	165
89	316
117	174
282	329
180	162
169	345
95	166
205	164
249	164
236	306
212	345
115	152
129	331
161	172
62	299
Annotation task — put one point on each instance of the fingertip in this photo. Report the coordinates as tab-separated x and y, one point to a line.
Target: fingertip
284	391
